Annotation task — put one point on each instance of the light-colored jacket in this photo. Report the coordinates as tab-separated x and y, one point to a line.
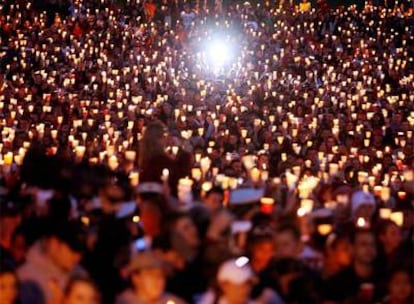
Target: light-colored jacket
37	274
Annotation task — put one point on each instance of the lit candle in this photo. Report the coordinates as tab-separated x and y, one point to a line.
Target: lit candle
255	175
385	194
402	195
205	164
385	213
324	229
80	152
113	162
266	204
397	217
134	178
8	158
196	173
362	223
130	155
174	150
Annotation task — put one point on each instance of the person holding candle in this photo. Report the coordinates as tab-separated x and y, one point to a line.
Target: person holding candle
261	250
391	249
153	158
337	254
360	281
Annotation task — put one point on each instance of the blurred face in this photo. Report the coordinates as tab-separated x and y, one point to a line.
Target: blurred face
213	201
186	228
364	248
236	293
237	166
286	245
63	255
262	253
343	253
391	238
400	287
8	288
82	293
149	283
150	219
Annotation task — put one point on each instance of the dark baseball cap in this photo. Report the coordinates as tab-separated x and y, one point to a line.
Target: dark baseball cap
71	233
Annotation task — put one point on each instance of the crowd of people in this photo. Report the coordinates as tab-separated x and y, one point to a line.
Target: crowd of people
206	152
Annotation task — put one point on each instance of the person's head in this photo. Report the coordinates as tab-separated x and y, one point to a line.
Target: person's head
214	198
363	246
400	285
288	241
9	286
182	224
338	247
147	276
390	236
235	279
65	244
152	213
81	291
261	247
362	204
153	141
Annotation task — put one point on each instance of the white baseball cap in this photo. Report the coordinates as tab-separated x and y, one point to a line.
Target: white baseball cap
236	271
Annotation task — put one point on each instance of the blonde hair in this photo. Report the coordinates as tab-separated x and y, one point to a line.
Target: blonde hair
151	145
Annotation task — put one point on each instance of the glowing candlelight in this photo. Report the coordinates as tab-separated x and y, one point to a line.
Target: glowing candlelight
266	204
385	213
325	229
130	155
8	159
362	223
397	217
196	173
80	151
255	175
134	179
205	164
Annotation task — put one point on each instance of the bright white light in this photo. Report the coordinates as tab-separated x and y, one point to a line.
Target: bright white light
242	261
218	54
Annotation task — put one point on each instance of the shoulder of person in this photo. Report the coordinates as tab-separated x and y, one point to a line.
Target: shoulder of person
208	297
269	296
31	293
127	297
